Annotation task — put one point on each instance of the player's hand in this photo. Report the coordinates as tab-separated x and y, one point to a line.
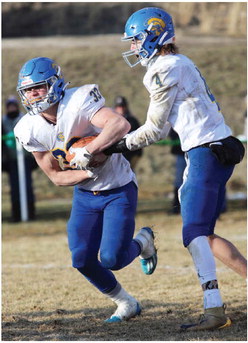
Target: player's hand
81	159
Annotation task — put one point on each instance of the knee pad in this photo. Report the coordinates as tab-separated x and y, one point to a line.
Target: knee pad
108	260
79	258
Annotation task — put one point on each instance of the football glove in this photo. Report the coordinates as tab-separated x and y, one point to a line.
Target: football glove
117	147
81	159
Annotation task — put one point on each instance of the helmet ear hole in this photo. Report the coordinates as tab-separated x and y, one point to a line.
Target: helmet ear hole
154	39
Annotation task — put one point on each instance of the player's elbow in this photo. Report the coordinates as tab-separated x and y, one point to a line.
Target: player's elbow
118	125
124	126
56	179
56	182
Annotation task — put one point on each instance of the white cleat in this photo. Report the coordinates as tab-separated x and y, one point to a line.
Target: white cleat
125	311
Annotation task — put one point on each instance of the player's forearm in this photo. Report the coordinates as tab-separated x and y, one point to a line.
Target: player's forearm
146	135
156	126
144	138
68	177
112	132
51	168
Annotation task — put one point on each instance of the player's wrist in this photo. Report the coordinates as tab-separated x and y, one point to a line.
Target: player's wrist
89	150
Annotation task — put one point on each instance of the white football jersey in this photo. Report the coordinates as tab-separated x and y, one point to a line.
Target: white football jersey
180	98
74	115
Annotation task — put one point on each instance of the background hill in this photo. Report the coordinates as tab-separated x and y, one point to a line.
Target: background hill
77	18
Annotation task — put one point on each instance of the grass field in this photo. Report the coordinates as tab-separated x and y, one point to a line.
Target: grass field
45	299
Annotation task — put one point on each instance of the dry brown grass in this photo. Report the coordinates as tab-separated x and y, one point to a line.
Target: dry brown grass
44	299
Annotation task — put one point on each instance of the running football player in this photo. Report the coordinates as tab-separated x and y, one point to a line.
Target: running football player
180	98
104	201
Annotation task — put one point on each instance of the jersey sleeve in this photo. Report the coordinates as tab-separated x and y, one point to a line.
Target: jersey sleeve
161	79
92	100
163	88
23	133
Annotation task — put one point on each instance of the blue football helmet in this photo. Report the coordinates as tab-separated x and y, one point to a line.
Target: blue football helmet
41	71
152	27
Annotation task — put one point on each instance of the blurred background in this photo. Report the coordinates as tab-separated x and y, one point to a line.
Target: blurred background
81	18
84	39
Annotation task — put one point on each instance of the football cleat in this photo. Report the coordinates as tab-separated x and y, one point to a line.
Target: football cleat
213	318
148	256
125	311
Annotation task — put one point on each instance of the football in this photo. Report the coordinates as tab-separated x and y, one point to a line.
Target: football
80	143
97	160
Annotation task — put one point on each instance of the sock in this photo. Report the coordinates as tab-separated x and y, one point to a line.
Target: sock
142	241
212	298
206	270
119	295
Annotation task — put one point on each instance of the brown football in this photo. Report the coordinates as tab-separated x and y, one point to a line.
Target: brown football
97	160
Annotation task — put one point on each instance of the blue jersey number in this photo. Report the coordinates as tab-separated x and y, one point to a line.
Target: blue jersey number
96	94
211	96
61	153
158	81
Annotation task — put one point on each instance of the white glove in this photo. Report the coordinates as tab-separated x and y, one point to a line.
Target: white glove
81	159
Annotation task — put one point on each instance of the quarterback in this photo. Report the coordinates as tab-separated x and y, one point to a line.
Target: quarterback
181	99
102	218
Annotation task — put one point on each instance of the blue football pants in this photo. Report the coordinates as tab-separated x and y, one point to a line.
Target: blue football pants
202	193
103	223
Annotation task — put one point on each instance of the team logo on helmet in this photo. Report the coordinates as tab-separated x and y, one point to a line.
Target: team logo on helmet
158	25
26	81
55	66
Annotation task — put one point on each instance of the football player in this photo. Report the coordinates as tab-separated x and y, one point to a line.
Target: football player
104	201
181	99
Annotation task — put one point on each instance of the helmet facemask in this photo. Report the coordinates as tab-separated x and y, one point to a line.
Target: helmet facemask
135	56
149	46
36	104
55	87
